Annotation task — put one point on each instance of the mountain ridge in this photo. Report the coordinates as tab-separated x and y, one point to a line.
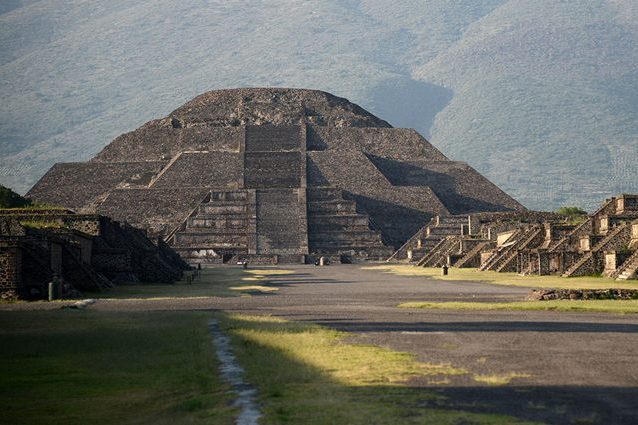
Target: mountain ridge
539	98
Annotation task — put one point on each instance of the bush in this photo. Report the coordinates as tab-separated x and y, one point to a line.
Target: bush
10	199
571	211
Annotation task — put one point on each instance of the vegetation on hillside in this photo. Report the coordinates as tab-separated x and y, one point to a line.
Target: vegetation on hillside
10	199
540	96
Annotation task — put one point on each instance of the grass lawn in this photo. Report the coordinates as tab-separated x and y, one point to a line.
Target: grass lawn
508	279
88	367
224	281
308	374
602	306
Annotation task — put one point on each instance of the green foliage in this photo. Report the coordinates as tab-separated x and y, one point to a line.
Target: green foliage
574	215
571	211
10	199
42	224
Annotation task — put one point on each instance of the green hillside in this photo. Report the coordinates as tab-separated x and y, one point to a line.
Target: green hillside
539	96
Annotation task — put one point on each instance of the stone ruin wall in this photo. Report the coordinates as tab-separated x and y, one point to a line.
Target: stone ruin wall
10	267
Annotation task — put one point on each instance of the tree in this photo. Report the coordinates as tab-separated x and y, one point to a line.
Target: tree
10	199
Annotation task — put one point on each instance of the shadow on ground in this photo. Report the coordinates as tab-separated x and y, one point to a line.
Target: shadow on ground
293	390
509	326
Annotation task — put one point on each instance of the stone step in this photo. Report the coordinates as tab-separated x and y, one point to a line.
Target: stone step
215	222
213	209
213	231
266	138
324	194
210	239
445	230
229	196
336	227
444	220
332	207
363	251
227	247
366	234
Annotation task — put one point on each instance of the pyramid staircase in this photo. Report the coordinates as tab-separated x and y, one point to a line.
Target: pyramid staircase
336	229
216	230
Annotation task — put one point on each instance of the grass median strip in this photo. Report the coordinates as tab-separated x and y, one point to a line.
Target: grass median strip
601	306
79	367
310	374
506	279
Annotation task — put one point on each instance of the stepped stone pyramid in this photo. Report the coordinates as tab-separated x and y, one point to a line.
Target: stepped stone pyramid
276	173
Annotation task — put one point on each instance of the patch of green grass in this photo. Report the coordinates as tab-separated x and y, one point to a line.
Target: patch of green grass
503	379
88	367
213	282
42	224
308	374
600	306
507	279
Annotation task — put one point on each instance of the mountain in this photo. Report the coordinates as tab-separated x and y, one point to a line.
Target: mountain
541	97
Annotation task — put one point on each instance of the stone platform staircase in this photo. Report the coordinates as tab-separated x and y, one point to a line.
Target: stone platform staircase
504	257
531	238
589	262
472	258
217	229
429	237
336	229
629	269
438	256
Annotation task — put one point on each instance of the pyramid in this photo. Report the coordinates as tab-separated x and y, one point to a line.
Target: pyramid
276	173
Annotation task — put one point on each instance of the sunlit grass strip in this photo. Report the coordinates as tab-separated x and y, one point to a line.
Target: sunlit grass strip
507	279
269	272
309	374
254	288
601	306
89	367
213	282
323	349
503	379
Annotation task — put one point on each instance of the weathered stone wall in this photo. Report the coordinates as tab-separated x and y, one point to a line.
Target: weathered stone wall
159	211
459	187
202	169
169	141
402	144
397	211
77	185
149	262
10	268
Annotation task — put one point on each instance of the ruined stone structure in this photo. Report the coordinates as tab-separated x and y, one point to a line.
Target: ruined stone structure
272	175
606	242
87	252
